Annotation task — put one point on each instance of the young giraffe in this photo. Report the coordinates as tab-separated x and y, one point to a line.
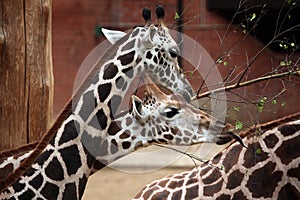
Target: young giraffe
88	138
62	172
268	169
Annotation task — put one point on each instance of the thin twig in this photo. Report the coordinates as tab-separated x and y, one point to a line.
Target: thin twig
262	50
243	84
193	157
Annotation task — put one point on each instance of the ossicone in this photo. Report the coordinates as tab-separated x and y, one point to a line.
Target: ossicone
147	16
160	14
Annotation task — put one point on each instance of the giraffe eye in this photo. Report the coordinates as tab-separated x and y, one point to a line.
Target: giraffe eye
173	52
170	112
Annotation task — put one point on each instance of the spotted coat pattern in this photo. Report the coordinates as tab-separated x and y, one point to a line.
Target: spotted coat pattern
268	169
94	112
89	137
62	170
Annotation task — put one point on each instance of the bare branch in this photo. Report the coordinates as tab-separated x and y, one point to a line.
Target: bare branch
260	52
246	83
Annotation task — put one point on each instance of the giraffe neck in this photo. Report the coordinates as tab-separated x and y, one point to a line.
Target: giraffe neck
93	112
72	162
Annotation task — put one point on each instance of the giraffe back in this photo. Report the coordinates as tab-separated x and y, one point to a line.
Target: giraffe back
268	169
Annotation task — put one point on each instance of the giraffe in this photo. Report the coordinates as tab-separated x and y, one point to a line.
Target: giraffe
87	138
158	118
144	50
268	169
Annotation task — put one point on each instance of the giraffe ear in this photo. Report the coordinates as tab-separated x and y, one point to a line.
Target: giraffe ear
137	109
112	36
148	40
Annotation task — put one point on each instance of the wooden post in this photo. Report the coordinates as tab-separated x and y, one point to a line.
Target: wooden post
26	76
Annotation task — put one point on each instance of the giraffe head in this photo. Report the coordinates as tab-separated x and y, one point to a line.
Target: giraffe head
177	122
154	51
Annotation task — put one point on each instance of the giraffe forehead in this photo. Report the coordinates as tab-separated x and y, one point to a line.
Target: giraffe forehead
166	40
163	102
169	101
161	37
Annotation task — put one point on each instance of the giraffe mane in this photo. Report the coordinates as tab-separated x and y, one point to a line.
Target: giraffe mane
252	131
17	151
269	125
40	146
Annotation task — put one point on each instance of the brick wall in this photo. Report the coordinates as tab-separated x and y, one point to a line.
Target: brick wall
74	26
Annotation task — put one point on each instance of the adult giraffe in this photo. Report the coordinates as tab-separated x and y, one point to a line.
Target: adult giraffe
268	169
83	140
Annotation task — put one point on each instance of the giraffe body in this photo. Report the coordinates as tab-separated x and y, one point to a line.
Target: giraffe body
268	169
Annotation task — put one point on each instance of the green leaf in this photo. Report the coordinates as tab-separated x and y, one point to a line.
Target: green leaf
258	150
293	2
252	17
285	63
283	104
176	16
261	103
225	63
274	101
222	167
238	125
237	108
191	73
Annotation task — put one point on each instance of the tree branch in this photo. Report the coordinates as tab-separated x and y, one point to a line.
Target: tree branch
246	83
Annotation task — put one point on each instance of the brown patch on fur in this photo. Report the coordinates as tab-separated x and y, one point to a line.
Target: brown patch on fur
212	189
262	182
289	150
